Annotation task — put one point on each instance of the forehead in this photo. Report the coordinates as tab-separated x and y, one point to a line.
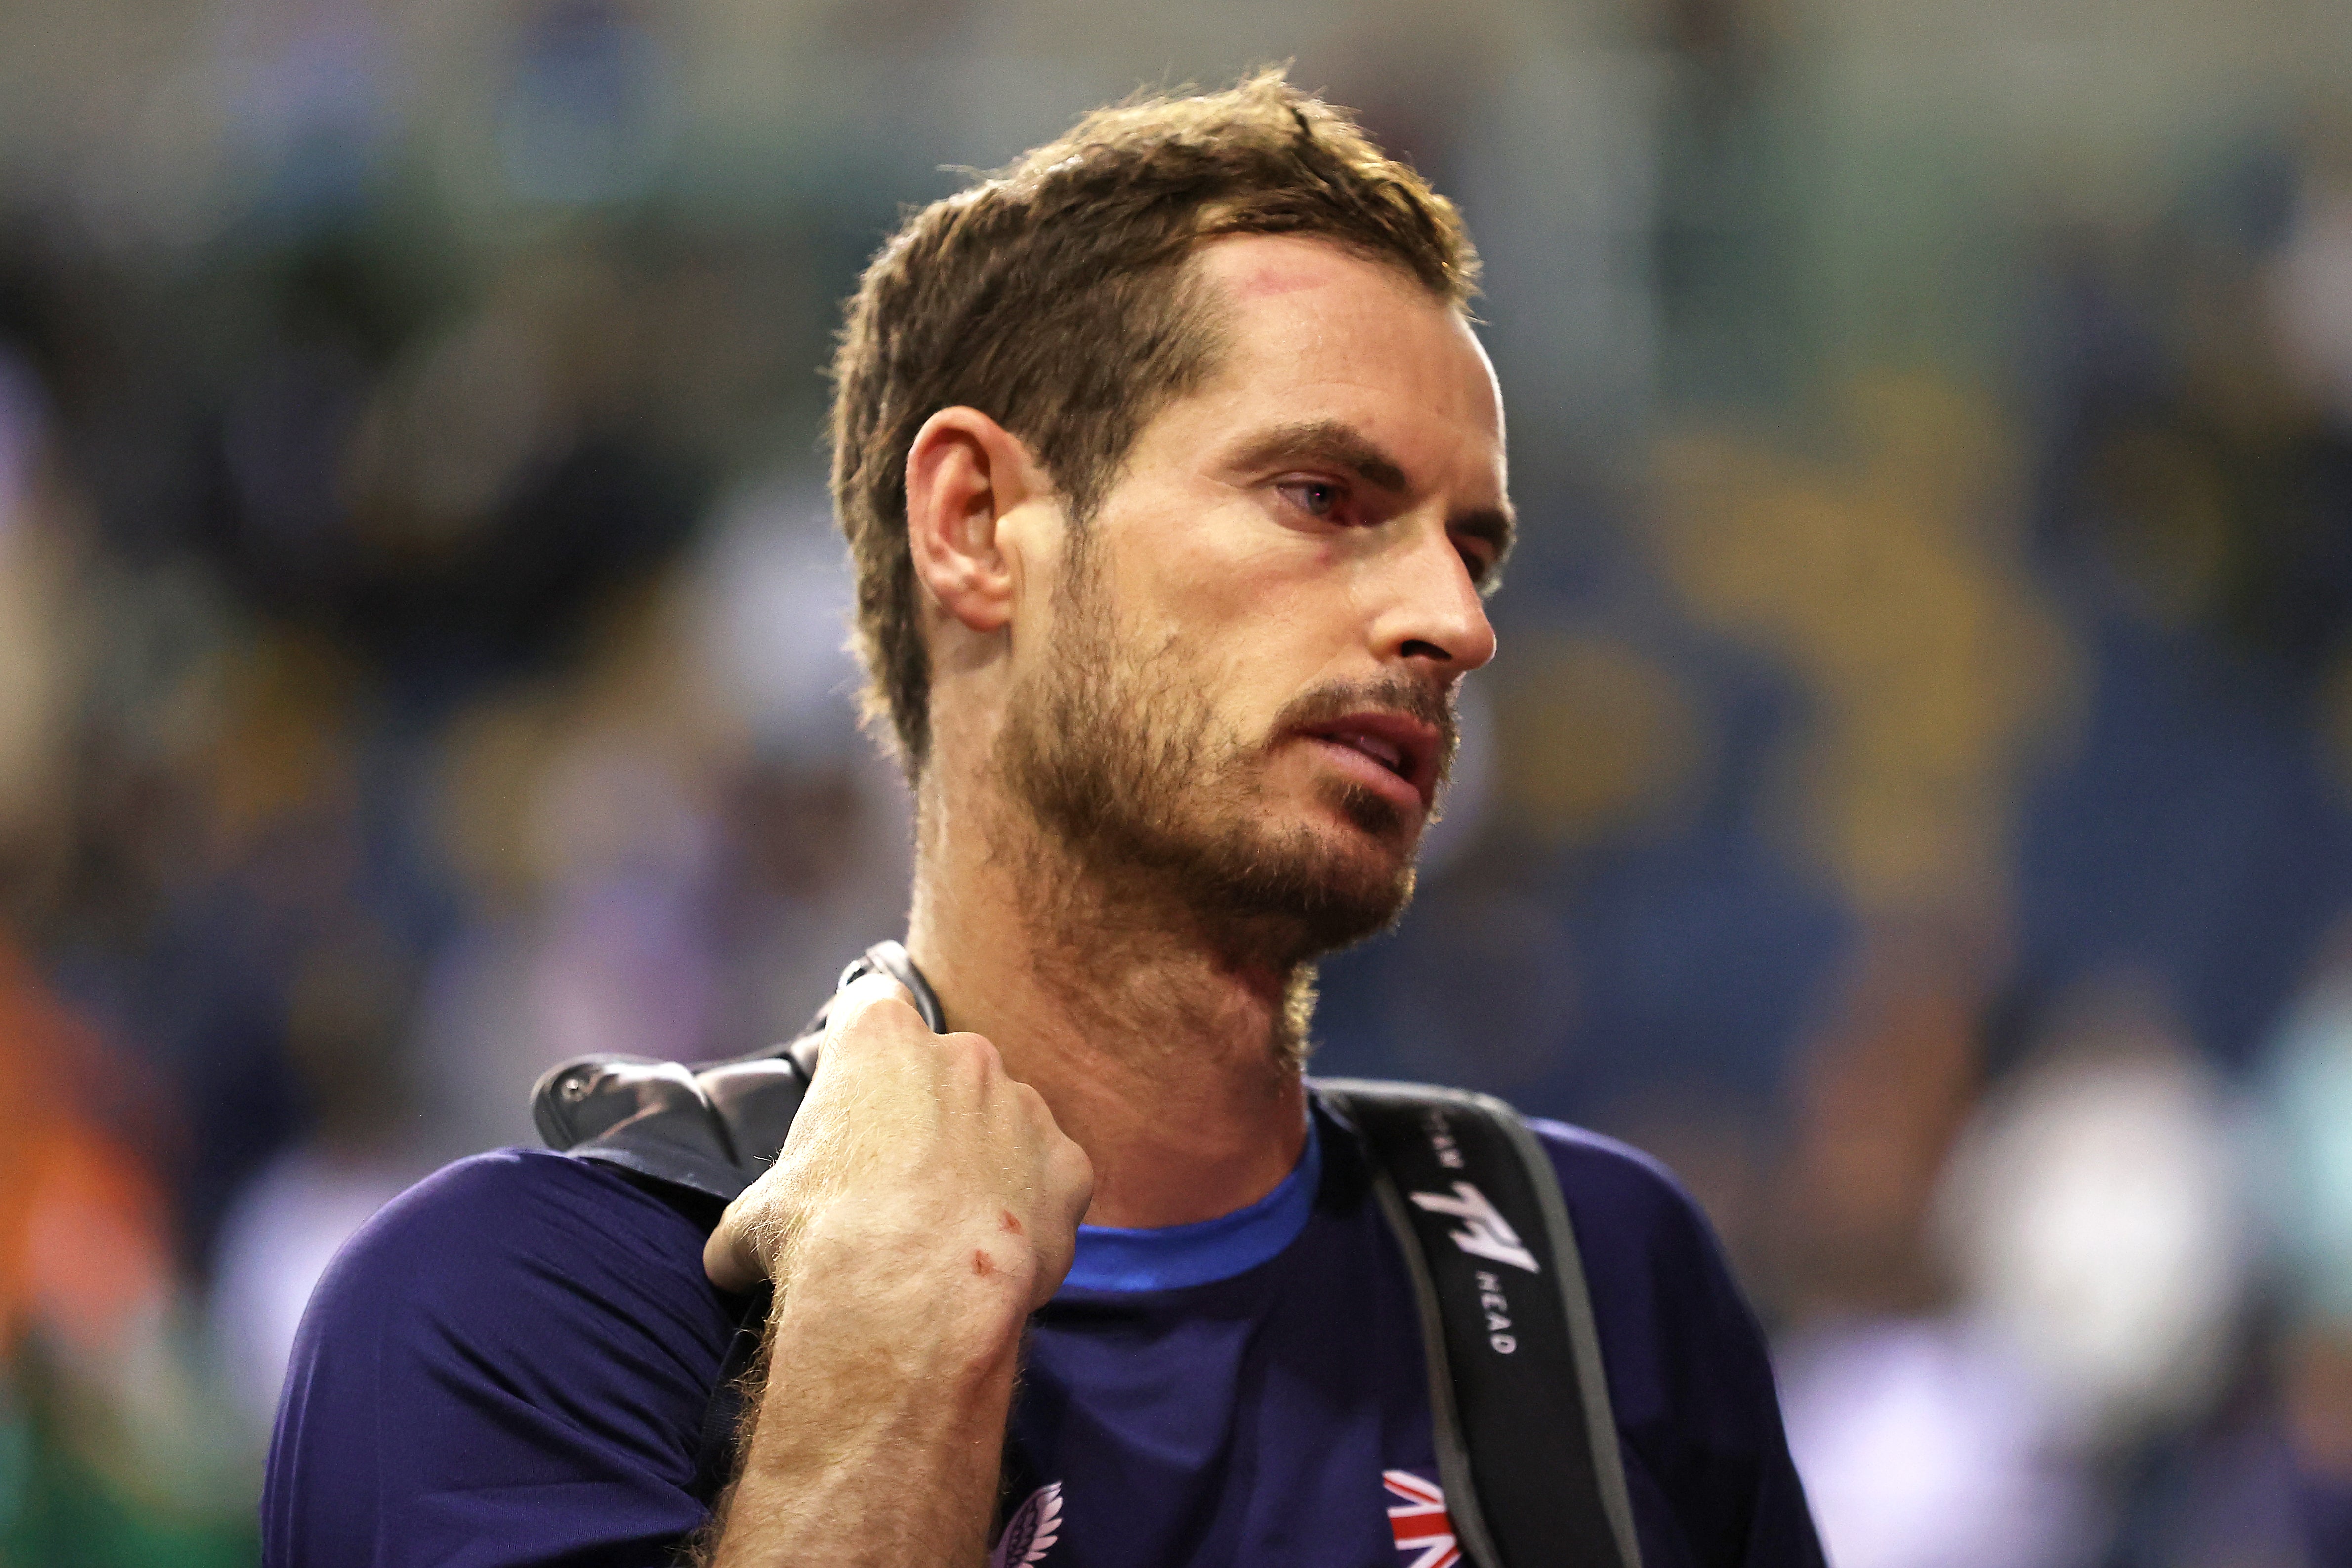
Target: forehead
1312	331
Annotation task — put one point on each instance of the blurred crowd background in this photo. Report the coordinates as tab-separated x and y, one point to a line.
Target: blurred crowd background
1914	799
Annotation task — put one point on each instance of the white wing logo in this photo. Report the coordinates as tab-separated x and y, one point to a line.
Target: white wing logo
1032	1531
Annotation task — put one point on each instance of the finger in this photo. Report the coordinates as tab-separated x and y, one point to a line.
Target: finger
1070	1175
1054	1254
867	991
728	1258
1075	1173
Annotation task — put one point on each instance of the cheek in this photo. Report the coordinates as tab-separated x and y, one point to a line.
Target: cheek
1255	613
1265	653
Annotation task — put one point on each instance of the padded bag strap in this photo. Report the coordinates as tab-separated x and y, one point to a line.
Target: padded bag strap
1527	1444
710	1129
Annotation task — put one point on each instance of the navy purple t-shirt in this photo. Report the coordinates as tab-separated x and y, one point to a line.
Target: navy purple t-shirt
513	1363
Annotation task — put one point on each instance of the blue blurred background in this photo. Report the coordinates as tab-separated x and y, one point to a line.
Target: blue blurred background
1914	799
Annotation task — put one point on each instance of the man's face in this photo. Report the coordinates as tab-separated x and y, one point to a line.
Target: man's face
1237	690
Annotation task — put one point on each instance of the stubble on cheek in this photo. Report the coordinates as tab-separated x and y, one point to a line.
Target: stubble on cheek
1117	751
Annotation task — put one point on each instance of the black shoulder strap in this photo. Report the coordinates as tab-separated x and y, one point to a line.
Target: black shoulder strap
1527	1444
710	1129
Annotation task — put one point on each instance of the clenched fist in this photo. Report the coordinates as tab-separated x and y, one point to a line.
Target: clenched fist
914	1163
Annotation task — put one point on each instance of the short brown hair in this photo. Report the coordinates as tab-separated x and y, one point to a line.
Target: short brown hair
1049	297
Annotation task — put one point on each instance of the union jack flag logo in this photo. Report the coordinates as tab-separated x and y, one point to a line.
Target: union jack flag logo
1419	1521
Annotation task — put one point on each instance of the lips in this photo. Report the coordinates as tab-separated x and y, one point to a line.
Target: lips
1403	750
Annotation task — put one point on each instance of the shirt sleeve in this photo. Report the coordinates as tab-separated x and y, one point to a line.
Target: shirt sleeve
510	1364
1699	1416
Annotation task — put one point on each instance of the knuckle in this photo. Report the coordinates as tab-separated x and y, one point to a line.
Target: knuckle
870	991
974	1050
876	1018
850	1043
895	1013
871	1010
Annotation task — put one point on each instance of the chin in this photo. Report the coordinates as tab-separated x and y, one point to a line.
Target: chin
1355	907
1346	877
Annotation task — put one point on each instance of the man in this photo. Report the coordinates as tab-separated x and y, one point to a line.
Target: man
1174	477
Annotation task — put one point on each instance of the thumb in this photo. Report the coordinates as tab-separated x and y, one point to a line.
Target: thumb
728	1257
852	1001
734	1257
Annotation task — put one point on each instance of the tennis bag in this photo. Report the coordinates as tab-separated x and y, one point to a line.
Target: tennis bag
1527	1445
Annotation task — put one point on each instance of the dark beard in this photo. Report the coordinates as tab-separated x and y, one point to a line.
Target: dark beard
1119	760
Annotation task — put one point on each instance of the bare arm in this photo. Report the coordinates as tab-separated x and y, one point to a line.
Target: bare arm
923	1206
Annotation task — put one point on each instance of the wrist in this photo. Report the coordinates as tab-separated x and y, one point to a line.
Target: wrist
905	1352
964	1282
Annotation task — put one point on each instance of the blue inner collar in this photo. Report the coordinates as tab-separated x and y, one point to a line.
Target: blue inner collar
1169	1257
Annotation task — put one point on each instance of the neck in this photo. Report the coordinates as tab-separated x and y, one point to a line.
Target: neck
1172	1060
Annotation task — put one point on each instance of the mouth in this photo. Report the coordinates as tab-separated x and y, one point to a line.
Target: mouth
1392	754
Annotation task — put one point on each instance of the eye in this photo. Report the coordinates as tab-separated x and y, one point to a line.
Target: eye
1480	561
1316	498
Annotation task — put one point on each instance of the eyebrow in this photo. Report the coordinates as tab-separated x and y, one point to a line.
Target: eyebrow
1341	444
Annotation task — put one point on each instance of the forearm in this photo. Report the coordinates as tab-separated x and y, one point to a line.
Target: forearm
878	1432
924	1204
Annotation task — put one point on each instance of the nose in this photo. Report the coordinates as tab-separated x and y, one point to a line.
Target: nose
1431	610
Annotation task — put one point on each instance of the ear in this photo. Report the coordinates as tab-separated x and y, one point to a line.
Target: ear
964	472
